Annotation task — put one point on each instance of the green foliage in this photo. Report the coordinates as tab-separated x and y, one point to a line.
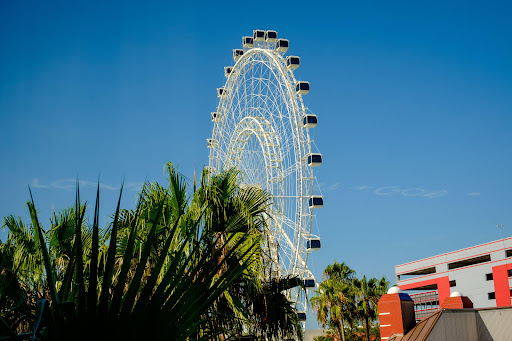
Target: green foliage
358	333
343	301
367	297
323	338
175	268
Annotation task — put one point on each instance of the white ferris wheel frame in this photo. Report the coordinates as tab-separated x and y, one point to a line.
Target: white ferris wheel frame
275	118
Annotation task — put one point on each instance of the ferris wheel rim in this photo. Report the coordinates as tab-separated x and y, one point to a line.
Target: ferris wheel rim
278	61
296	110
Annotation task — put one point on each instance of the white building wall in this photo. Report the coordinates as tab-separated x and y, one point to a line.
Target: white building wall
470	280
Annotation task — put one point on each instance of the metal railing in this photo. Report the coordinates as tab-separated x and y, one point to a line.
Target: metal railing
425	304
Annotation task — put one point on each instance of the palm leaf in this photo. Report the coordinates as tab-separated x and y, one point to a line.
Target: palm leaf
79	269
50	277
109	265
135	283
127	257
93	272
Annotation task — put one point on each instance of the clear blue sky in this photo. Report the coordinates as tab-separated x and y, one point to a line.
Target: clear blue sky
414	101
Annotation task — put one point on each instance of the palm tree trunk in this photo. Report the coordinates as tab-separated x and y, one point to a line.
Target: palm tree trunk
367	328
342	330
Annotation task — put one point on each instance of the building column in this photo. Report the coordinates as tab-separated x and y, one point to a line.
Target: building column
396	313
501	286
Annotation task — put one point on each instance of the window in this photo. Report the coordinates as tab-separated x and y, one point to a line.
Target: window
420	272
468	262
488	277
453	283
491	295
509	272
508	253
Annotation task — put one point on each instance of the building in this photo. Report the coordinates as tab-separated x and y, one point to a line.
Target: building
456	320
482	272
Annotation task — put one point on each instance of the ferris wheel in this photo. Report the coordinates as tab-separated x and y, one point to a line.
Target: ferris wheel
262	128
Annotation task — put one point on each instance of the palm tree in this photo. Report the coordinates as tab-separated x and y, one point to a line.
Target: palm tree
161	270
25	270
340	271
255	303
334	300
368	293
27	261
12	292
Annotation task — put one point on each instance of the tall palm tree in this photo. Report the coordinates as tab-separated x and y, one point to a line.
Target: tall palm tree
334	300
27	262
368	293
340	271
12	292
256	301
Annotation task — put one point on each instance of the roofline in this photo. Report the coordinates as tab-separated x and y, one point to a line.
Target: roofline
495	308
452	261
447	253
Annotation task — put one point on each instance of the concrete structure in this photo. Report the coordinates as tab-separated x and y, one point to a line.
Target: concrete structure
456	301
488	324
396	313
482	272
461	323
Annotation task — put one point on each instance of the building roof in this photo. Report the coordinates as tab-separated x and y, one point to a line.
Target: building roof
488	244
462	324
420	331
